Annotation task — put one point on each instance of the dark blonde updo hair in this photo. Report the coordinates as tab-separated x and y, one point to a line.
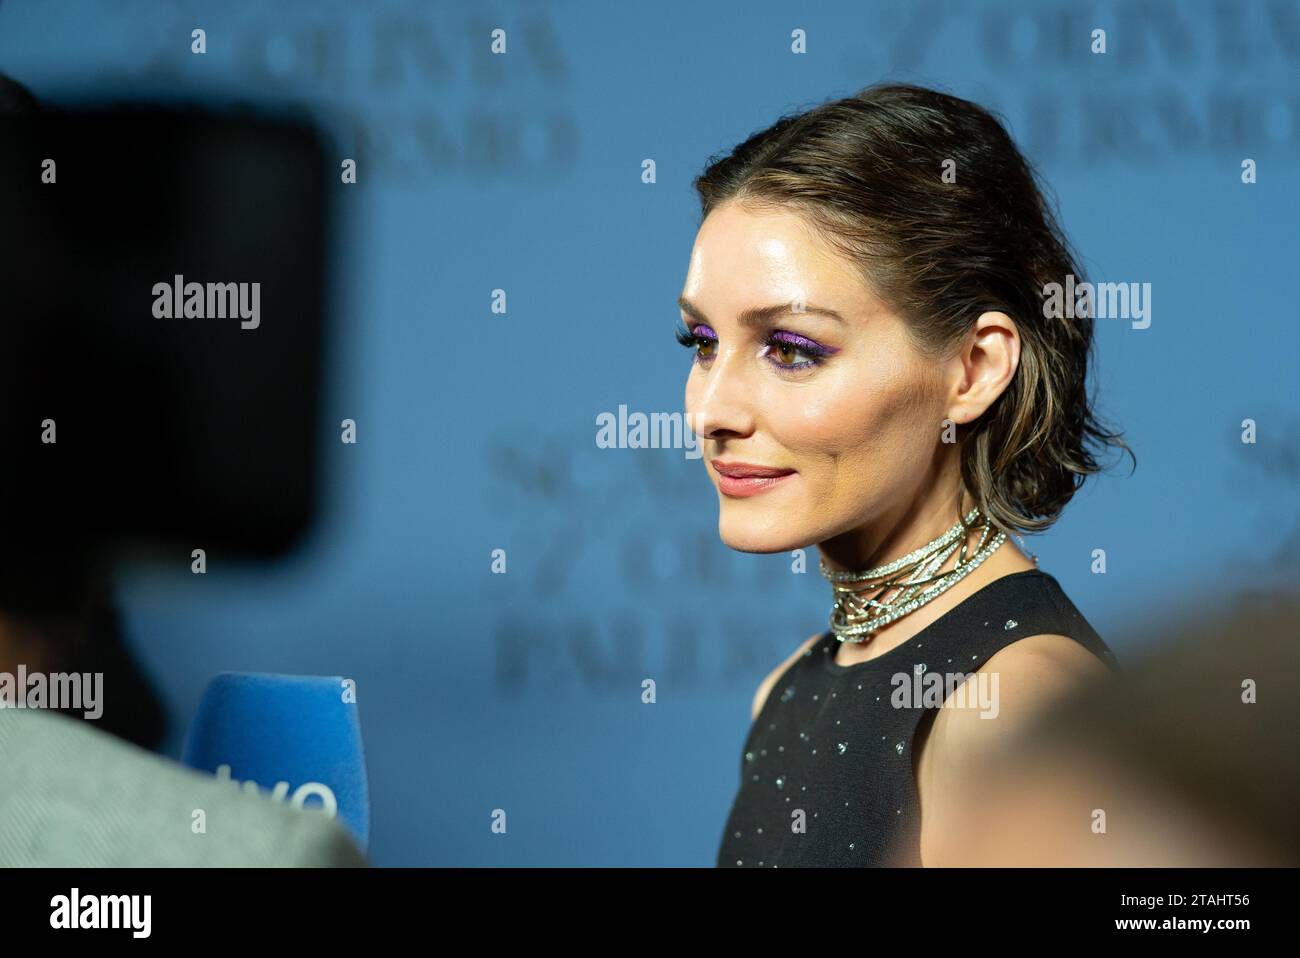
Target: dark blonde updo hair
866	172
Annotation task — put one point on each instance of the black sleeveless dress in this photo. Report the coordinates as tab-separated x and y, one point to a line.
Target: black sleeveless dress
830	743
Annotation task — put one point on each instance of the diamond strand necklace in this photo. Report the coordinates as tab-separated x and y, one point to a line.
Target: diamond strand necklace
869	600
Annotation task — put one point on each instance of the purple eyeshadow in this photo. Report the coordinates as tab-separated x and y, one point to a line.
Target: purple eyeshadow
807	345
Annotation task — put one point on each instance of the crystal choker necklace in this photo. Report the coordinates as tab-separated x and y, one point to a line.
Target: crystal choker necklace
867	601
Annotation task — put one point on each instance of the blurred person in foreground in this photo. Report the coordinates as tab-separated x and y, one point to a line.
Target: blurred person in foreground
77	789
1189	760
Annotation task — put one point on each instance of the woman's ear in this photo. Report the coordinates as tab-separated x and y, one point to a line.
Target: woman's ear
981	370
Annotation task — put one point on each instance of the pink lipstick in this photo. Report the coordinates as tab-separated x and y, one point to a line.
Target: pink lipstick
741	479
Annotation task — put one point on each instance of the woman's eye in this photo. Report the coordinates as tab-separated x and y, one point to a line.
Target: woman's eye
786	354
694	339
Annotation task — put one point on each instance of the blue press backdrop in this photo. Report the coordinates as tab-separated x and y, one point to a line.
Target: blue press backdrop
477	430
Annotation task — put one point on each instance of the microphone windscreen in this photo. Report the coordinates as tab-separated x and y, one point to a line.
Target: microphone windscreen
297	737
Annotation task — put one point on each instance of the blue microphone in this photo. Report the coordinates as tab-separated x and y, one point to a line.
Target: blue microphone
294	736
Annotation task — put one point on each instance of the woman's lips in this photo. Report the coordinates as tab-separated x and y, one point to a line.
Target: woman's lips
741	479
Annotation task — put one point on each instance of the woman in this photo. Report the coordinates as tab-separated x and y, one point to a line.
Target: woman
875	374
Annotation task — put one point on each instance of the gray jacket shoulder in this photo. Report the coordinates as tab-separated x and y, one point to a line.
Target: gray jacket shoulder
71	795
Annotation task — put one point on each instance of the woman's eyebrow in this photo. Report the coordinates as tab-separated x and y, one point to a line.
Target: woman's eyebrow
761	315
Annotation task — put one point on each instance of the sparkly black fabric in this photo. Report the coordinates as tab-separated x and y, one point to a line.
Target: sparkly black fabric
829	742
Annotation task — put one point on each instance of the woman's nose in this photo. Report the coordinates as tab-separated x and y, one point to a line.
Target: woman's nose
723	397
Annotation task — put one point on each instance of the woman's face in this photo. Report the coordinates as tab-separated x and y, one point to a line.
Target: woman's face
846	408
